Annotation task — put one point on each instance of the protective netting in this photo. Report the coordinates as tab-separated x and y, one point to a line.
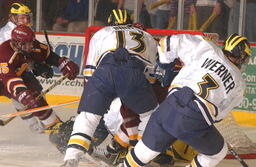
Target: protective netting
236	136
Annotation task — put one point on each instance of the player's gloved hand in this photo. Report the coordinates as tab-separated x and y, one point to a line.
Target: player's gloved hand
67	66
164	73
43	70
27	98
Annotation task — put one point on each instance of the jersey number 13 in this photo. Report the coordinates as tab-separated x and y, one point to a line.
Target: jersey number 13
138	37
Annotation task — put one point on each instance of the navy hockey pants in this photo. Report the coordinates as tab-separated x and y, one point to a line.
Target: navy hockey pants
118	76
178	117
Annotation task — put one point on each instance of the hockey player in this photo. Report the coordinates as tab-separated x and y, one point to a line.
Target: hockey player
118	113
120	55
208	86
19	14
22	87
126	134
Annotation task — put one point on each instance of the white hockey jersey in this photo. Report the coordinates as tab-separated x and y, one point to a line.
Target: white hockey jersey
136	42
133	39
216	81
5	31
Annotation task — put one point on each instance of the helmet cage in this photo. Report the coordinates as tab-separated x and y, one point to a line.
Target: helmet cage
23	46
19	19
19	10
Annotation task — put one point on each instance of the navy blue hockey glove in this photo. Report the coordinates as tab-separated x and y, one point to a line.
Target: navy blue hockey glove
43	70
164	73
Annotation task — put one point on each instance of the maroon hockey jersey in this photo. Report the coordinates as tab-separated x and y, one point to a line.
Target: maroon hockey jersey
13	63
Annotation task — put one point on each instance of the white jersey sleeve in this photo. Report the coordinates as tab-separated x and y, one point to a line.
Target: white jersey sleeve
215	80
136	41
93	54
5	32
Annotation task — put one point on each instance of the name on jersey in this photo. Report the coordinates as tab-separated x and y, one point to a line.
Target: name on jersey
221	71
118	28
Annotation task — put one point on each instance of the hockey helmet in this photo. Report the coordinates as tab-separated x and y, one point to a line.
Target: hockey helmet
19	8
237	47
119	17
20	14
22	38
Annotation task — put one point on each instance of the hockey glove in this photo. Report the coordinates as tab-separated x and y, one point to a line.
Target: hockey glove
43	70
27	98
67	66
164	73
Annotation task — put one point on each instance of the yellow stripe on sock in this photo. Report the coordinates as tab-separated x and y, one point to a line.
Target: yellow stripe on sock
131	161
120	141
80	142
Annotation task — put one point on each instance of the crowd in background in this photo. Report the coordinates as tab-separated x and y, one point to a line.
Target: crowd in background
218	16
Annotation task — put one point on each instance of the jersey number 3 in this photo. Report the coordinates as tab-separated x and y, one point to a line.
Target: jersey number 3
138	37
206	85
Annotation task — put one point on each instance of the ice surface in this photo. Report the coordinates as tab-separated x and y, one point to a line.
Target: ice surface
19	147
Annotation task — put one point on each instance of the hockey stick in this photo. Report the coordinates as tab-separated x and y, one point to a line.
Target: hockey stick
52	86
236	155
47	39
5	122
39	109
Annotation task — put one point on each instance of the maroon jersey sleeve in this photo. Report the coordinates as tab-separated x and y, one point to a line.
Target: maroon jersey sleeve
10	81
40	52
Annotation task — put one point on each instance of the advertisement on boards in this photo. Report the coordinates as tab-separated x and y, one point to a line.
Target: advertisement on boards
71	47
